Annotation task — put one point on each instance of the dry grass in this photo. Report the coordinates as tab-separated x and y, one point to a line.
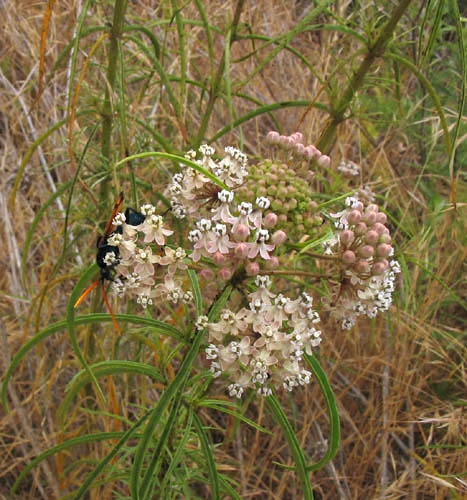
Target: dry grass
398	381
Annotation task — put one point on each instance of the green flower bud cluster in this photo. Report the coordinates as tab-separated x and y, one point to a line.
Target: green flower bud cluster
290	195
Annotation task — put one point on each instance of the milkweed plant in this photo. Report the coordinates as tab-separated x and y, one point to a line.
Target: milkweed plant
235	266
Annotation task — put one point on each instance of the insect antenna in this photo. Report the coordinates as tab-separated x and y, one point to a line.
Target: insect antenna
86	293
107	303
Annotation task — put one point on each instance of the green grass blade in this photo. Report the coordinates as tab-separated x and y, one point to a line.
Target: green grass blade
84	320
74	55
454	8
33	148
70	443
70	316
207	29
297	452
211	464
431	91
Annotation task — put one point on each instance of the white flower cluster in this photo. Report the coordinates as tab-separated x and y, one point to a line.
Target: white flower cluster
362	244
370	296
143	265
230	232
262	346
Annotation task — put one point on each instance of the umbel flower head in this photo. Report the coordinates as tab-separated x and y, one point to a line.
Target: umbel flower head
230	232
362	245
145	266
262	346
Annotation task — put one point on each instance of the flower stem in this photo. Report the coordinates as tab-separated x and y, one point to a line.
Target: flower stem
298	273
321	256
375	50
214	91
107	122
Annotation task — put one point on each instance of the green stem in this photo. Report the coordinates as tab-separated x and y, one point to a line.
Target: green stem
115	35
375	51
214	91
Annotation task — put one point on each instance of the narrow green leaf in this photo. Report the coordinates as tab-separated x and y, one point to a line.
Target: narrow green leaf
333	412
152	472
235	414
84	320
196	291
220	303
128	434
175	158
263	109
70	443
211	464
297	452
178	455
104	368
158	410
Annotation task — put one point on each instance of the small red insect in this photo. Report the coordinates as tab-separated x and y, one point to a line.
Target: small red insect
108	265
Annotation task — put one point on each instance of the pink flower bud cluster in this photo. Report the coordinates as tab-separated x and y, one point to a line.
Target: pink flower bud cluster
232	233
262	346
362	243
146	267
293	144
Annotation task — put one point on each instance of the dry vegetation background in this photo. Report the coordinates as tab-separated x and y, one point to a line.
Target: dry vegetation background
399	382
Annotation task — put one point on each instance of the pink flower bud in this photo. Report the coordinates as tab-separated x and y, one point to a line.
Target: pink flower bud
241	250
366	251
312	206
381	217
279	237
219	258
347	237
272	137
372	208
311	153
379	228
206	274
359	206
354	217
349	257
385	238
362	267
324	161
225	273
252	268
297	137
370	218
273	262
241	232
289	143
383	250
283	140
299	149
360	228
372	237
270	220
379	268
283	218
